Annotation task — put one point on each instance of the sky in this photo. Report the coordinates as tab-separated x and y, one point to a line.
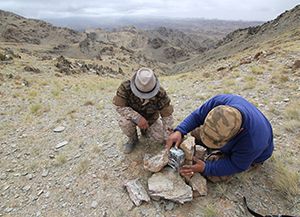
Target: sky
252	10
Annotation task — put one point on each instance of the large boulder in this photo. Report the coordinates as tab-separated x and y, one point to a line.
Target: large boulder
168	184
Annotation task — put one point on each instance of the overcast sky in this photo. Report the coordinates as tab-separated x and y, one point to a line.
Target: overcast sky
262	10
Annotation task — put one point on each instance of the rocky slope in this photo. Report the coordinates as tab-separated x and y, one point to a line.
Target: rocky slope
283	29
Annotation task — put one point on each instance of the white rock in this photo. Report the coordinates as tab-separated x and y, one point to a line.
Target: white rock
157	162
94	204
45	173
61	144
137	192
26	188
59	129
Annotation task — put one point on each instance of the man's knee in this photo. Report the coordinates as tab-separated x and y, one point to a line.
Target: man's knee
127	126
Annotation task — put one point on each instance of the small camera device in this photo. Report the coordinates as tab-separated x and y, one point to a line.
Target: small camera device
176	158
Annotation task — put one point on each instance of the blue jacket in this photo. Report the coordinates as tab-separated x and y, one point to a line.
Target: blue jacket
252	145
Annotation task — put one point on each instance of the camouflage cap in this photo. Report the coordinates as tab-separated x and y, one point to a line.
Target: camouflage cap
220	125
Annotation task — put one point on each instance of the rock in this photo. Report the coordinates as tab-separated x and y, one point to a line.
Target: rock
94	204
157	162
169	206
3	176
29	176
45	173
61	144
8	209
198	184
200	152
137	192
40	192
296	65
169	185
26	188
59	129
188	148
32	69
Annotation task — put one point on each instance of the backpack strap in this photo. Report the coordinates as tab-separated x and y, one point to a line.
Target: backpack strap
259	215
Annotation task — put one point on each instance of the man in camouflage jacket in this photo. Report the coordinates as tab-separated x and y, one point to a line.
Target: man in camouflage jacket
141	102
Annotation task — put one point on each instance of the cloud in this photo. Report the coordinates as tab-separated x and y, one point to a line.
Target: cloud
221	9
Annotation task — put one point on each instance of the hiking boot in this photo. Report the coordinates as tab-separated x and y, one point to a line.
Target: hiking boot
130	144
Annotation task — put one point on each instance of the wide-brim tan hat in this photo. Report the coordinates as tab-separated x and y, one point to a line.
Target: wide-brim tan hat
144	83
220	125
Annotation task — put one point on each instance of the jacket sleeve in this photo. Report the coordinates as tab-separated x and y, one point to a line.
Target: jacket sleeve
197	117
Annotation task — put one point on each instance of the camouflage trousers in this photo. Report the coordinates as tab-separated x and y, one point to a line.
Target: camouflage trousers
155	132
216	155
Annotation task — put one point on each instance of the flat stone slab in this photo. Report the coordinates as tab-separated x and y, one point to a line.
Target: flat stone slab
168	184
157	162
137	192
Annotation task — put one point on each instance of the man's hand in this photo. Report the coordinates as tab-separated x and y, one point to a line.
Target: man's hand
143	123
176	138
189	170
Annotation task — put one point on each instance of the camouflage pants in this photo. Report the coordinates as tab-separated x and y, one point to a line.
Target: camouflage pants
155	132
216	155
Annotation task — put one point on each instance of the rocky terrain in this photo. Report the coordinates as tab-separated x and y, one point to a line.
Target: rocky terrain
61	147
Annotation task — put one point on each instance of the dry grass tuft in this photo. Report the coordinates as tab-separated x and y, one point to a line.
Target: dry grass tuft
83	166
210	211
34	109
60	159
285	180
257	70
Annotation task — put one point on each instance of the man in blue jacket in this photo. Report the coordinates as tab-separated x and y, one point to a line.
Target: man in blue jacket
232	125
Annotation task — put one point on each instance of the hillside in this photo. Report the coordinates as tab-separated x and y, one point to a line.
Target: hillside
284	29
126	48
79	170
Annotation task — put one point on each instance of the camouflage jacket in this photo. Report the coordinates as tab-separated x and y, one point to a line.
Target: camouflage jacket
150	109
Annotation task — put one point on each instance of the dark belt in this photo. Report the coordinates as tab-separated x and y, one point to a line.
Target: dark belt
259	215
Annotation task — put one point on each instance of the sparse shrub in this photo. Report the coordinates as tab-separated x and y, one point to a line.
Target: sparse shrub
258	70
285	180
100	106
83	166
55	92
293	111
292	125
35	108
210	211
32	94
61	159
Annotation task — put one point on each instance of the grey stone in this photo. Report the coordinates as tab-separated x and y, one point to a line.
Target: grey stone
26	188
45	173
29	176
169	185
157	162
40	192
61	144
94	204
59	129
199	184
137	192
169	206
8	209
3	176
